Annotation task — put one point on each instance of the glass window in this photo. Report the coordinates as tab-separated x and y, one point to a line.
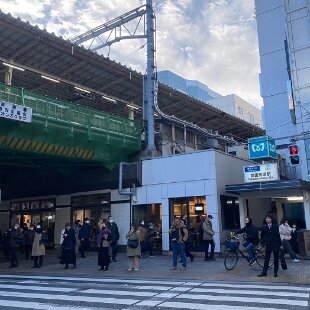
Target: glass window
15	206
240	110
25	206
34	205
47	204
294	212
230	212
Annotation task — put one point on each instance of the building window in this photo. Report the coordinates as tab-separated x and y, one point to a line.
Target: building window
230	212
240	110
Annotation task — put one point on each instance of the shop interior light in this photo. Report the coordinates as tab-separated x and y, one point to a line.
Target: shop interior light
81	89
132	106
109	99
295	198
229	202
48	78
12	66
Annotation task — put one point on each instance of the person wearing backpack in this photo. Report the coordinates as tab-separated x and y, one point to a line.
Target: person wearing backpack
179	235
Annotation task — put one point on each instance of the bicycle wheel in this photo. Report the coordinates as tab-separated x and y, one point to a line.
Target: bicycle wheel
231	260
260	258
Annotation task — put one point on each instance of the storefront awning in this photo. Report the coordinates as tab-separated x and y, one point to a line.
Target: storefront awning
268	186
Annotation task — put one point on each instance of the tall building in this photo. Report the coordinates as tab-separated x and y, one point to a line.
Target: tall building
284	45
231	104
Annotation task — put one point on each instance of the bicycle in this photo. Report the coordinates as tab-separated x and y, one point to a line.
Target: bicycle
233	251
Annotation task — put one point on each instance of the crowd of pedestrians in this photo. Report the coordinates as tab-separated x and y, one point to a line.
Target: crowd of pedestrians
75	240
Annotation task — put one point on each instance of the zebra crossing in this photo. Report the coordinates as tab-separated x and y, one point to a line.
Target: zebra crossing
80	293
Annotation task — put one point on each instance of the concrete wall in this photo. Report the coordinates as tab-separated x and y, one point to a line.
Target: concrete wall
63	216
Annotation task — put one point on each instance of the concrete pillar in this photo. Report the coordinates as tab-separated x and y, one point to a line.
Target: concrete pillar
131	114
165	224
173	139
306	195
242	210
8	75
279	210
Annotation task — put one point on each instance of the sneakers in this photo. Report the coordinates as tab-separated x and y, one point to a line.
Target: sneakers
183	269
129	269
173	268
152	256
252	263
296	260
136	269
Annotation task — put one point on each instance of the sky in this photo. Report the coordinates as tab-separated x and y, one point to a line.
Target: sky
212	41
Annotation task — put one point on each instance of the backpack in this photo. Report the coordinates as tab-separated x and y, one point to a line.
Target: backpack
200	231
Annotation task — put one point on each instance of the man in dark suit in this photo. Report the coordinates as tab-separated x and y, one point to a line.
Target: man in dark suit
271	238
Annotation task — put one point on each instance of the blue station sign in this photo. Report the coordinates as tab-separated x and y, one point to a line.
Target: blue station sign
262	148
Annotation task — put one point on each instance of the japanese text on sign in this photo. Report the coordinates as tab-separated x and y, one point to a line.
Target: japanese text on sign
15	112
261	173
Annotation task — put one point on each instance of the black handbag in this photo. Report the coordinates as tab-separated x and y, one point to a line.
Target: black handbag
133	243
283	264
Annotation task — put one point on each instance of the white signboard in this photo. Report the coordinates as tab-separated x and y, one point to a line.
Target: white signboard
15	112
261	173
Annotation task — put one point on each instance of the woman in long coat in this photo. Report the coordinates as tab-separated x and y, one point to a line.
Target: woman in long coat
68	255
38	247
133	253
103	243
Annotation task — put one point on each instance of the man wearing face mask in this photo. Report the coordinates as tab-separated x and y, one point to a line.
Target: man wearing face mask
111	225
29	236
84	235
38	247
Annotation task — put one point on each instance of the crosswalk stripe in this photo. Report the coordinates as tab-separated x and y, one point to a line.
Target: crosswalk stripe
102	280
250	286
183	305
244	292
292	302
95	299
118	292
38	306
38	288
154	288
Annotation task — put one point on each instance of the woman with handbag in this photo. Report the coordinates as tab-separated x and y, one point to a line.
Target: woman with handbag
103	243
133	247
38	247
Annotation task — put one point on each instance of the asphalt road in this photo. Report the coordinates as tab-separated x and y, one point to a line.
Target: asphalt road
48	292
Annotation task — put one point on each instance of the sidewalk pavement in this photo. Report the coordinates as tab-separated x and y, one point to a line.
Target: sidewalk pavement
159	268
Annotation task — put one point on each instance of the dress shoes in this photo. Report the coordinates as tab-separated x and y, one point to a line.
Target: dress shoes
262	275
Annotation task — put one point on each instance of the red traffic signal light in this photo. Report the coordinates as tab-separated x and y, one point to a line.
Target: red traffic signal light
294	154
293	149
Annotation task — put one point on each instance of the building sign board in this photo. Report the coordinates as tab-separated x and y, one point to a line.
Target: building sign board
262	148
261	173
15	112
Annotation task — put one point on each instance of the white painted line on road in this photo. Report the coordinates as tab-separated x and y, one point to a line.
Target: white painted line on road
180	289
95	299
38	306
292	302
153	288
148	303
166	295
249	286
32	282
250	292
183	305
38	288
105	280
118	292
192	284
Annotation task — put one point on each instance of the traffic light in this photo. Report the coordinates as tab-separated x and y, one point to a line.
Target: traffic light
294	154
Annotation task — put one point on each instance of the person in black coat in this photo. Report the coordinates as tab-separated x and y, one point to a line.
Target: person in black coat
271	238
68	255
251	238
111	225
84	235
29	236
12	234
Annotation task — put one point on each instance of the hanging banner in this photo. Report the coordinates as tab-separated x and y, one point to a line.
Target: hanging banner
15	112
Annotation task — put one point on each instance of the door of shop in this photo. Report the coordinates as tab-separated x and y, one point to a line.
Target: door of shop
192	210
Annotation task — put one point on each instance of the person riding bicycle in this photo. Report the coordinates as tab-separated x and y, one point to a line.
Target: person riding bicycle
251	238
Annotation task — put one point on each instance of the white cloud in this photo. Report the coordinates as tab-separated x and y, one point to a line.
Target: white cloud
213	41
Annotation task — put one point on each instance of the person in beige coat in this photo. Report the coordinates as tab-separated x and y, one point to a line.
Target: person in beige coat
133	253
285	231
38	247
208	234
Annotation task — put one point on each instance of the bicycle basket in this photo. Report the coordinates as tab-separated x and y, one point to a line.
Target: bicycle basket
232	245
